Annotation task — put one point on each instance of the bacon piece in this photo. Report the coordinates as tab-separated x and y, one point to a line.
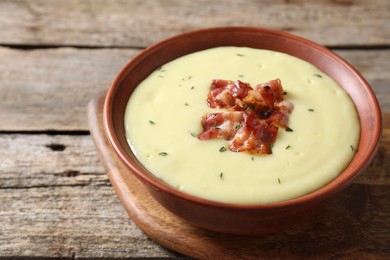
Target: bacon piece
264	98
223	93
221	125
253	117
281	113
254	136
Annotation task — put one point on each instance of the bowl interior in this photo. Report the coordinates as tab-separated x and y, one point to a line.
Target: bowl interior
327	61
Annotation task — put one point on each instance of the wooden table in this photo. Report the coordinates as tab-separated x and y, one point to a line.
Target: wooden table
55	197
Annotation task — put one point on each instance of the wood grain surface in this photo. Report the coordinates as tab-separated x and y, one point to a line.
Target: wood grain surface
56	55
140	23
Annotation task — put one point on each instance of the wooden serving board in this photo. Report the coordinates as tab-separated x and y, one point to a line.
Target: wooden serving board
355	224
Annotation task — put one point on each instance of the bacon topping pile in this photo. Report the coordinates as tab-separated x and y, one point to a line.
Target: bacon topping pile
252	117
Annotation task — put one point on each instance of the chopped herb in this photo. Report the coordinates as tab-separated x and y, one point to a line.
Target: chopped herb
240	55
251	107
221	175
284	93
317	75
189	77
152	122
192	134
288	129
252	158
352	148
160	76
279	181
215	126
237	126
186	104
288	146
311	109
223	149
241	76
163	154
192	87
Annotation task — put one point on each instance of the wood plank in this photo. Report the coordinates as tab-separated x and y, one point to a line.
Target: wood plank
45	89
70	222
56	201
49	88
141	23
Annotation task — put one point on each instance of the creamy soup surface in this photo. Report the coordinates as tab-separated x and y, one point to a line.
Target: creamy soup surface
163	119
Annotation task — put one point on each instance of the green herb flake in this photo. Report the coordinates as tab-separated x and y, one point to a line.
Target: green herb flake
311	110
186	104
152	122
240	55
252	158
284	93
160	76
223	149
221	175
192	134
192	87
163	153
352	148
189	77
215	126
250	107
237	126
288	147
317	75
279	181
241	76
288	129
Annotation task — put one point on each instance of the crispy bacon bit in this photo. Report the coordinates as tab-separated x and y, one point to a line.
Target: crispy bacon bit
253	116
221	125
223	93
255	136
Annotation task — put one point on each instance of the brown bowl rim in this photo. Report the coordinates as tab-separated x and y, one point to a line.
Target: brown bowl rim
318	195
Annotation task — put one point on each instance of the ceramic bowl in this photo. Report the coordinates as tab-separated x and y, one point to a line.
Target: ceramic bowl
234	218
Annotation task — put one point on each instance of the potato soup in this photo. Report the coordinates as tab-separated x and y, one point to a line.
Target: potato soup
163	122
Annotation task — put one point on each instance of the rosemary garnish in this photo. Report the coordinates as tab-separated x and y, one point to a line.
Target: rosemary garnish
317	75
279	181
240	55
288	129
152	122
192	134
223	149
311	109
221	175
186	104
163	154
288	146
192	87
352	148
